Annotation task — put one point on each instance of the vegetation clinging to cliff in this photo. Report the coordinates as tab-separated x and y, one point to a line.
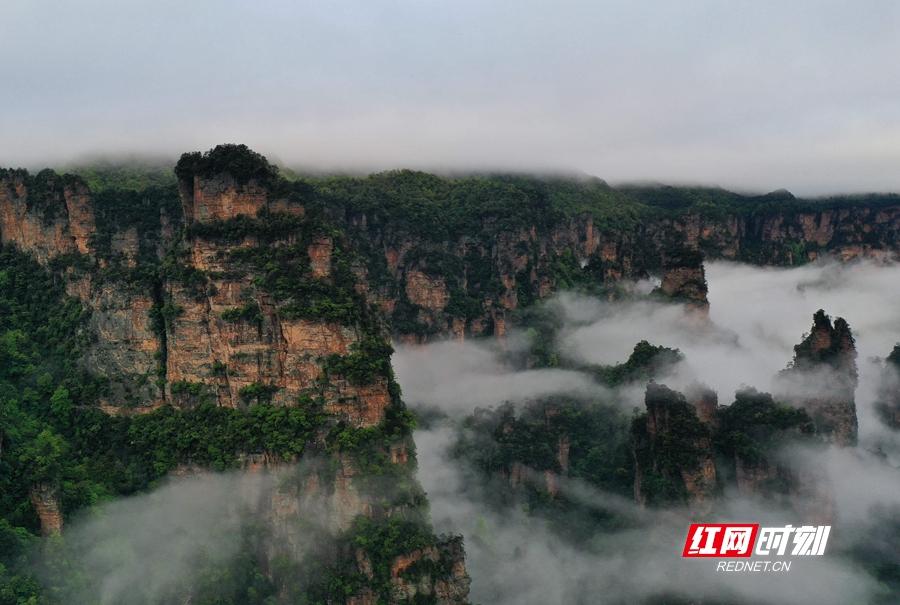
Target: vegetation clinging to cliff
645	362
755	424
442	208
51	432
669	439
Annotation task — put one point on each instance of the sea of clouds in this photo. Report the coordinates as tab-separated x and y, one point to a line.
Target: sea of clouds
757	315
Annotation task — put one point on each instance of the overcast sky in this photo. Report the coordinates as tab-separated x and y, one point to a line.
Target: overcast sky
757	94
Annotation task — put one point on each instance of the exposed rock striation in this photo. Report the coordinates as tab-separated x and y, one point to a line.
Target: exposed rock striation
46	215
463	284
45	500
466	282
234	337
256	302
684	279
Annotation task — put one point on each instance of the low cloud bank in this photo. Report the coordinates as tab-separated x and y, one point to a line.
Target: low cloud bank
153	547
516	558
457	377
757	316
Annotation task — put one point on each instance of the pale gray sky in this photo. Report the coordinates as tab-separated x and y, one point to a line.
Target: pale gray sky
755	94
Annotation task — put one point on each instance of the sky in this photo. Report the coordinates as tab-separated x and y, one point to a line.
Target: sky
751	95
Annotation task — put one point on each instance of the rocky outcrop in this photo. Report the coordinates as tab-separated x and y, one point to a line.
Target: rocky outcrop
822	379
206	346
170	342
427	292
754	478
46	215
444	581
464	286
126	347
684	279
319	252
45	500
230	340
183	323
306	512
220	197
53	217
888	397
672	451
192	320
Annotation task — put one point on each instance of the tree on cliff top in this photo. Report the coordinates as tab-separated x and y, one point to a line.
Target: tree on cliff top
239	161
829	344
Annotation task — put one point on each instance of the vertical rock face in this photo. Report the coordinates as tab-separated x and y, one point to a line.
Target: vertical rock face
206	325
888	402
45	499
822	378
221	197
462	285
424	291
229	339
303	509
319	252
261	311
53	218
448	584
672	451
684	279
126	347
46	215
752	435
80	215
253	305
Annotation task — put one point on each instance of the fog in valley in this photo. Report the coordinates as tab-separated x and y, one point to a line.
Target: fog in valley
150	546
166	301
757	315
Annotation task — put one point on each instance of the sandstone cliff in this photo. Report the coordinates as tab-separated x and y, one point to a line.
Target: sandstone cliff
257	301
468	283
46	215
822	379
684	280
465	282
240	288
672	451
888	402
236	338
45	499
688	449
